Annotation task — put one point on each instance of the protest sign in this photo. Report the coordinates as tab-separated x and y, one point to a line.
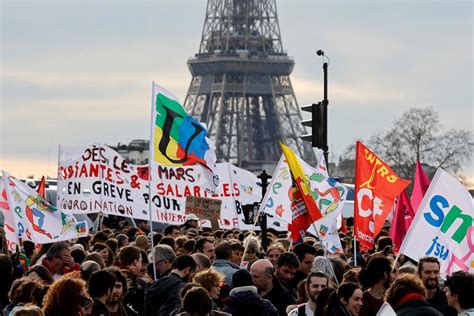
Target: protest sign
203	208
96	178
443	226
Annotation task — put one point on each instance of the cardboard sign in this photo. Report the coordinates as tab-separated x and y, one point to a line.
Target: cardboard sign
203	208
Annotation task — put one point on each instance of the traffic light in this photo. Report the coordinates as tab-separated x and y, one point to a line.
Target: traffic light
318	124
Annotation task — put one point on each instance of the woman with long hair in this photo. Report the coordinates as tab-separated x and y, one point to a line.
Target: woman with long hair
346	301
106	253
67	296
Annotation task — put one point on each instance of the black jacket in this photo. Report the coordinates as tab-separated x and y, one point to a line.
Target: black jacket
417	307
99	309
162	297
280	297
440	302
245	301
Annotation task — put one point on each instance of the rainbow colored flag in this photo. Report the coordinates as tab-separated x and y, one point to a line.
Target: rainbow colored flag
177	139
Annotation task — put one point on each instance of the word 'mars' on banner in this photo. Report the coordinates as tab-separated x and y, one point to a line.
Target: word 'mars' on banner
376	187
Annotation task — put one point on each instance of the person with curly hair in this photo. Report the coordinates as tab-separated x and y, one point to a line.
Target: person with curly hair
67	296
211	280
407	296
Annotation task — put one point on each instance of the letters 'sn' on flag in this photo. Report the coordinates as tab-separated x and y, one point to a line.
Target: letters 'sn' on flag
399	227
419	187
177	139
443	226
304	208
37	220
376	187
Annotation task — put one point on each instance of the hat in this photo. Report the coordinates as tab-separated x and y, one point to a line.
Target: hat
191	217
241	278
77	246
141	242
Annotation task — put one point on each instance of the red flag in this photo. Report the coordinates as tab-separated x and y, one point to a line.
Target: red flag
399	227
42	188
376	187
343	224
419	188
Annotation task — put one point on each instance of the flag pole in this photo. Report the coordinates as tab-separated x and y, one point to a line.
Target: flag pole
149	186
325	253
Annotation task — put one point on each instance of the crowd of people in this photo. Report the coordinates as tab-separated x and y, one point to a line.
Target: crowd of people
194	271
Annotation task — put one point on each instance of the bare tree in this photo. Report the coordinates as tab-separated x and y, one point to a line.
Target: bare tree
419	135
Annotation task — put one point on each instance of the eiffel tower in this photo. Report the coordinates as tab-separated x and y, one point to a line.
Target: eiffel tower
241	86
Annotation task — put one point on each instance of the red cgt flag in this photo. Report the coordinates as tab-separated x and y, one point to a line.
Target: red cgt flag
376	187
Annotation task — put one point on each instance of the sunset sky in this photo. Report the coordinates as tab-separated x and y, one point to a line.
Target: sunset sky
77	72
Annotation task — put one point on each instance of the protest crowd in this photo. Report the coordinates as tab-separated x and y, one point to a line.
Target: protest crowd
204	272
418	262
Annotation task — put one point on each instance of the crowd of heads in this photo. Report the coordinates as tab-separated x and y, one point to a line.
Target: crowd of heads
196	271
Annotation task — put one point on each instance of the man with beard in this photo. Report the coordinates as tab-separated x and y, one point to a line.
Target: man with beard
314	284
285	269
428	271
162	297
376	278
114	303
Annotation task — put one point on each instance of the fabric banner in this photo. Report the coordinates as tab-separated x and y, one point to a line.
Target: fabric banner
443	226
96	178
37	220
9	224
376	187
329	195
420	187
177	139
403	214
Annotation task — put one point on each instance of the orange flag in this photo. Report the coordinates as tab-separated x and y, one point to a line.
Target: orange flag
376	187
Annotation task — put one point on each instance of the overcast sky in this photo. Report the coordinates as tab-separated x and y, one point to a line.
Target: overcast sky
77	72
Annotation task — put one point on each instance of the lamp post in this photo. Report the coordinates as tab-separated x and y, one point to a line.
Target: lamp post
323	120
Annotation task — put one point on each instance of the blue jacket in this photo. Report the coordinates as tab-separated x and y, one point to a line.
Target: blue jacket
227	268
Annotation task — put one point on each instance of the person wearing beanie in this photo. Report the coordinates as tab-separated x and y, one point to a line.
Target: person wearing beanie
87	268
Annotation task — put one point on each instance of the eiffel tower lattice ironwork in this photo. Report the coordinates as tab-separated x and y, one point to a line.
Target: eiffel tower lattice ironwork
241	86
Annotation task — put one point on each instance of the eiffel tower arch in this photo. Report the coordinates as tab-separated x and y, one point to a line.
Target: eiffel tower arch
240	85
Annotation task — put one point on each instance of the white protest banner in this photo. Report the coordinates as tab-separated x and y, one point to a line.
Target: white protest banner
37	220
96	178
443	226
9	224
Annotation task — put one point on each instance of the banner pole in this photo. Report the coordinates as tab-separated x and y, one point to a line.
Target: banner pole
396	260
325	253
149	185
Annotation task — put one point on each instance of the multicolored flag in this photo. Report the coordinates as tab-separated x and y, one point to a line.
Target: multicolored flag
9	224
399	226
305	211
37	220
443	226
177	139
420	186
376	187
